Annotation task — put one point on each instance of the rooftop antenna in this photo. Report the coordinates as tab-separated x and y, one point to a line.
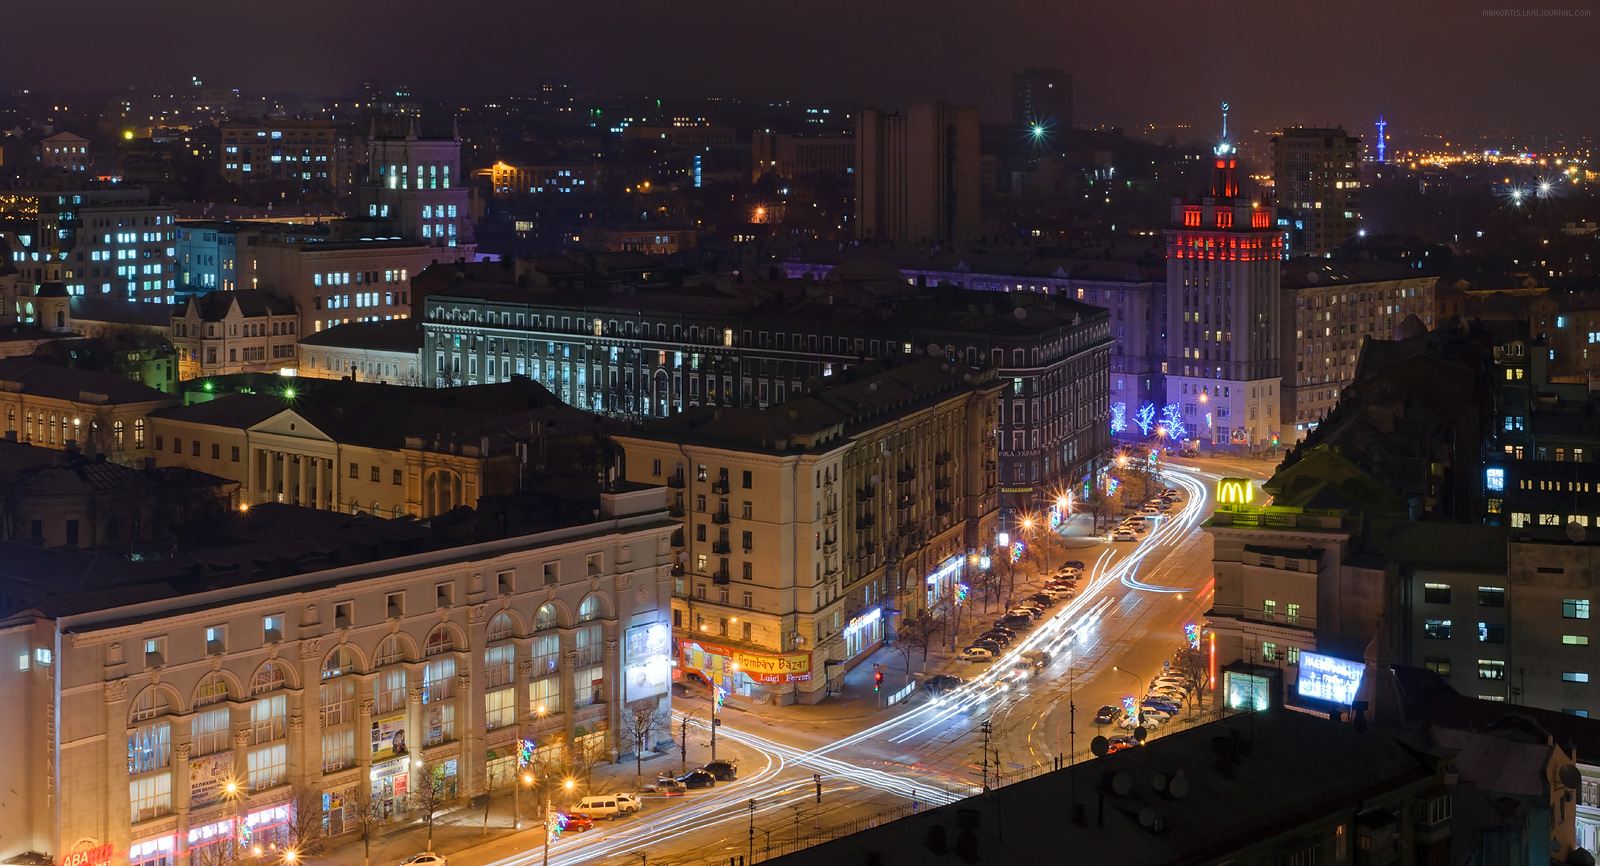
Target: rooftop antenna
1381	124
1224	121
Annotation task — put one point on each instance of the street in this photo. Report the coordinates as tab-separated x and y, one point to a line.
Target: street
1105	644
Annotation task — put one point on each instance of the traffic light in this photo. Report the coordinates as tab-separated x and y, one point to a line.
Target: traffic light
877	680
818	778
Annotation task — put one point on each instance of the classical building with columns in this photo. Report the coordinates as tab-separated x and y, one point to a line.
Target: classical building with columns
359	446
151	720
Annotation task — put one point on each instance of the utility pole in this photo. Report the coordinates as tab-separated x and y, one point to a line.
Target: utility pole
985	727
752	830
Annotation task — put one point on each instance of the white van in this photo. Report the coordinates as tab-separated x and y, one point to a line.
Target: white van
609	805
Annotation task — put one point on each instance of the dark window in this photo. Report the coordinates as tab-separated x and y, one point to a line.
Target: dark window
1436	593
747	479
355	471
235	454
375	471
1491	596
397	477
72	533
216	451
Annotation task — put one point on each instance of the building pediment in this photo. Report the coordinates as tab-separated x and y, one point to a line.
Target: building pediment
290	423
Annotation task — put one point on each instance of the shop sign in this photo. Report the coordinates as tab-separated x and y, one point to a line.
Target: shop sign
208	778
768	668
91	857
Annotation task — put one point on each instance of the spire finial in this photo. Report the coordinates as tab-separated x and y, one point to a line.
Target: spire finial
1224	121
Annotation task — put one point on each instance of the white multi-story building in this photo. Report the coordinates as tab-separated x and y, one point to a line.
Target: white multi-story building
94	240
145	724
416	184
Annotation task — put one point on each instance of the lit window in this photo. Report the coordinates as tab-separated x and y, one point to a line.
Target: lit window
1495	478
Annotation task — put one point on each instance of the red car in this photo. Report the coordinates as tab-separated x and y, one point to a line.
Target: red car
577	822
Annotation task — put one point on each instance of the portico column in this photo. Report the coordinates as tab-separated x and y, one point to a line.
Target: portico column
258	476
300	495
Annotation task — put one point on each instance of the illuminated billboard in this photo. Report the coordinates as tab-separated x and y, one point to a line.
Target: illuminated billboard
1235	491
1326	678
1246	691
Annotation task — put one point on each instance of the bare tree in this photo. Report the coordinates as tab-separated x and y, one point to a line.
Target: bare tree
428	796
1195	666
640	726
920	630
307	832
1100	506
364	818
224	851
582	756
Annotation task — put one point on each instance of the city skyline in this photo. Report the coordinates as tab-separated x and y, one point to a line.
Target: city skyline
1426	59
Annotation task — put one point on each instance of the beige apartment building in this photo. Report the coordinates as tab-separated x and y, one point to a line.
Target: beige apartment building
148	724
337	281
96	413
245	331
807	528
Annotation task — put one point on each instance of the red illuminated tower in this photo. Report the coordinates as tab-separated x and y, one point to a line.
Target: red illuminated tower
1223	309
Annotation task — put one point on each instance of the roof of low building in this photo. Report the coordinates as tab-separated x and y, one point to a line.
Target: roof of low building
395	335
34	378
252	303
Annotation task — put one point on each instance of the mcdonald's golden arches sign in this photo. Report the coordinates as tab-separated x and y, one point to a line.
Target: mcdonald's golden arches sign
1235	491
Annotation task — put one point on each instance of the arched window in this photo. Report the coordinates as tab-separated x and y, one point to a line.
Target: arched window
377	510
339	662
439	640
500	628
11	418
213	689
52	428
590	609
391	651
399	512
355	506
270	678
30	426
545	618
138	433
150	749
151	703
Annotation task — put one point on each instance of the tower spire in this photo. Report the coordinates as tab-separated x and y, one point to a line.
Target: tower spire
1381	124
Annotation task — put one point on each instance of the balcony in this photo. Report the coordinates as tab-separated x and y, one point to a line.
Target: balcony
720	578
865	521
908	530
677	569
720	546
675	511
866	550
720	487
942	484
942	459
677	538
988	465
719	517
830	547
675	481
941	507
865	494
906	475
907	501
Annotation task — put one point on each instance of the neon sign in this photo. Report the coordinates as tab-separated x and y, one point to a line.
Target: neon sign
1235	491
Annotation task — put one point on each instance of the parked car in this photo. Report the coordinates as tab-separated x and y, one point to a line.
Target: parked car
1118	743
577	822
1017	620
1107	714
609	806
1170	680
697	779
1073	563
985	643
941	683
1057	593
1032	605
1124	535
1188	452
722	771
667	787
426	858
977	654
1150	511
1043	598
1021	610
1000	629
998	637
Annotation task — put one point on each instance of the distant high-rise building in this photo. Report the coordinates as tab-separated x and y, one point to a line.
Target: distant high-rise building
304	155
1223	306
917	174
1318	188
1041	97
415	184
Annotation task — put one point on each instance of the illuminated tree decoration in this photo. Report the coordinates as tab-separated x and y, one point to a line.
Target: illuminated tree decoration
1145	418
1172	419
1128	707
1119	417
1016	550
555	824
961	593
1192	632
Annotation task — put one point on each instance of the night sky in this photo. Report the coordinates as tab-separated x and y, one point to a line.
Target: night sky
1441	63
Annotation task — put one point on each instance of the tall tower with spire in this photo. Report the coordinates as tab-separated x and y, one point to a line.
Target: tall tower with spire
1382	144
1224	333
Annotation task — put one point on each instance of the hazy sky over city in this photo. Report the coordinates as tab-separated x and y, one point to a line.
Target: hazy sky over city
1135	61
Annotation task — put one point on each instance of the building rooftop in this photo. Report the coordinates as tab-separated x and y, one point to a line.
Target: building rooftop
253	303
1191	797
865	397
1316	272
37	379
396	335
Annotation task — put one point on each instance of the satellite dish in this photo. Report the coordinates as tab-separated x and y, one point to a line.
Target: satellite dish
1576	532
1020	313
1179	786
874	481
1121	784
1099	746
1159	782
935	350
1569	776
1141	733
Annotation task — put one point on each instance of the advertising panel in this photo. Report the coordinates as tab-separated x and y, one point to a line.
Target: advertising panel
208	778
649	661
1326	678
1246	692
770	668
389	736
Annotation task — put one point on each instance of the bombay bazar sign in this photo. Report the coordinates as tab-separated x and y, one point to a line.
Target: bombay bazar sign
760	667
